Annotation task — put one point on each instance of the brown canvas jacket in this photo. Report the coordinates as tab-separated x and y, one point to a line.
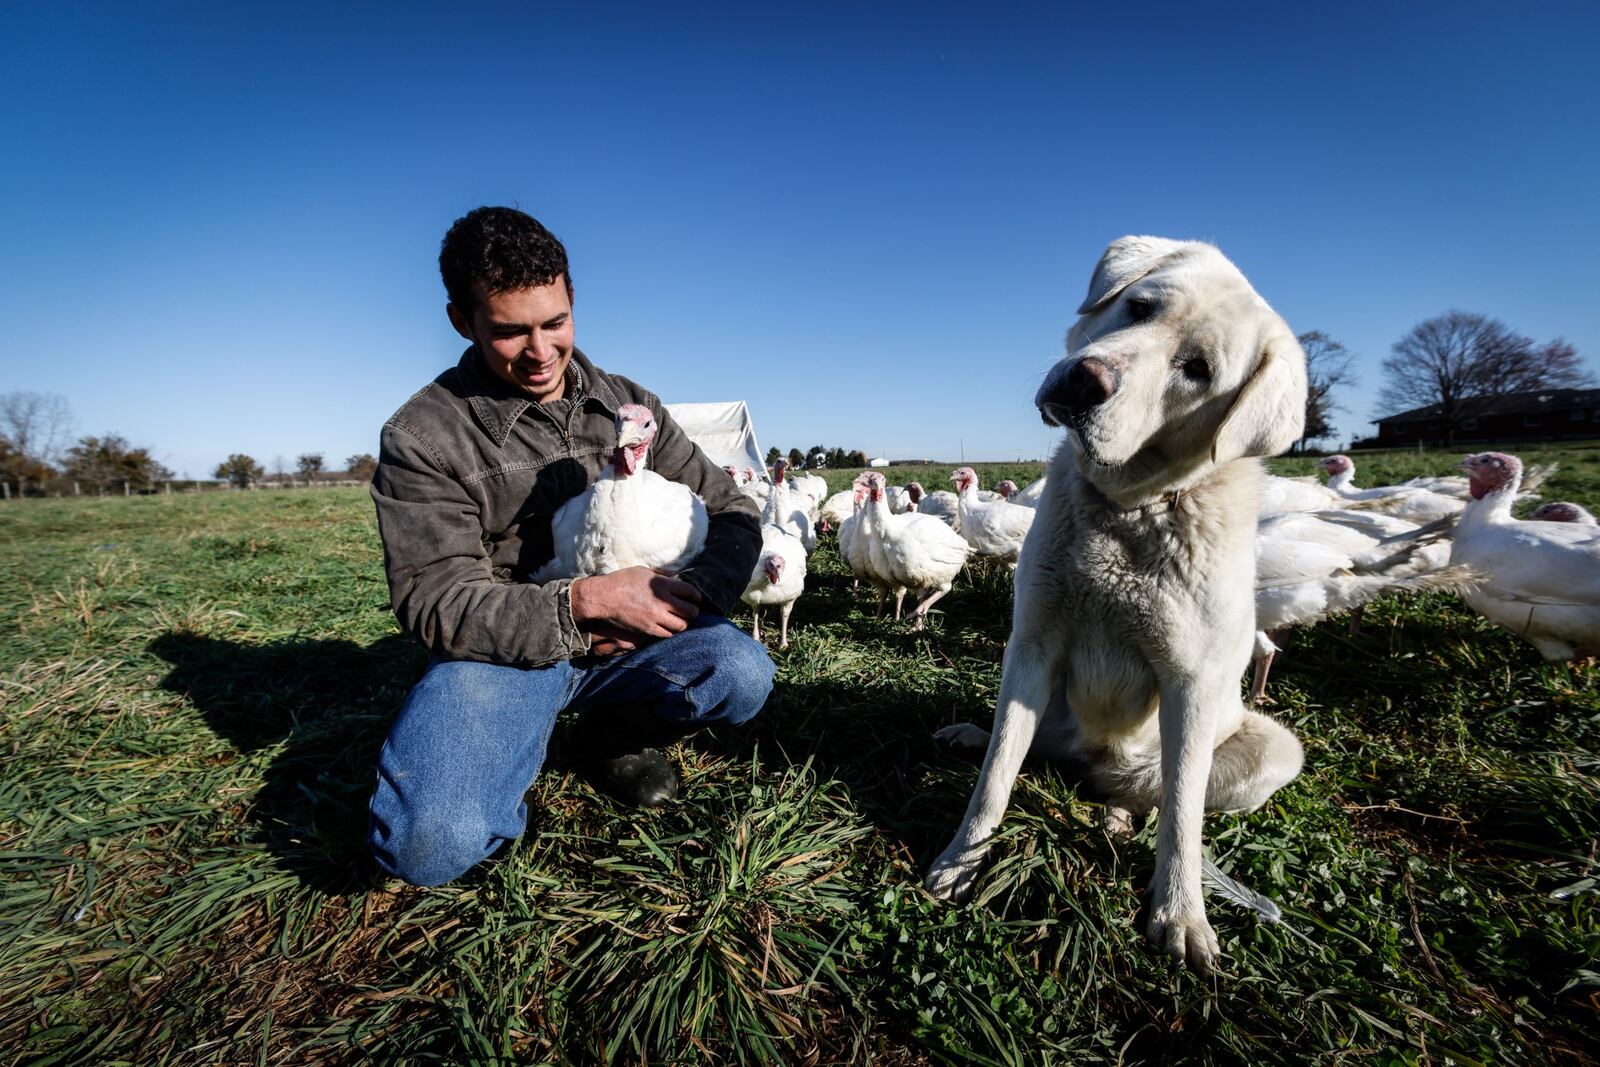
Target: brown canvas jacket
470	473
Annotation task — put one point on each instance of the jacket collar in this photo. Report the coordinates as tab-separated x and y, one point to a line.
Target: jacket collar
497	405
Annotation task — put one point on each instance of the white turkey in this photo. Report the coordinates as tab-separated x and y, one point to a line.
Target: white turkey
910	553
1460	486
1308	568
629	516
1030	495
942	504
1564	511
1296	494
899	498
779	579
1418	505
1541	580
852	545
789	509
812	486
992	527
752	486
837	508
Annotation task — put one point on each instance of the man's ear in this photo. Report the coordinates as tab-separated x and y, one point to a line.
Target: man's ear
1125	261
1269	411
460	322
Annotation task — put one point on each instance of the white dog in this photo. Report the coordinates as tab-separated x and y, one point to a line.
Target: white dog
1135	594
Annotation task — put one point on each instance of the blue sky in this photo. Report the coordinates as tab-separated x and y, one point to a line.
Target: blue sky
872	222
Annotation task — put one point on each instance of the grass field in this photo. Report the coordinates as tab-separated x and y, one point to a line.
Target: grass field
195	689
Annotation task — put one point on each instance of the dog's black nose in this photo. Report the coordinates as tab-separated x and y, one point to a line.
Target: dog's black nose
1087	385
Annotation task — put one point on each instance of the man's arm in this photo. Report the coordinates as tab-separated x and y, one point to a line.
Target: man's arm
733	540
440	580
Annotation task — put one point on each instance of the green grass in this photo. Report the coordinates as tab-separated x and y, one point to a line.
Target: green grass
195	689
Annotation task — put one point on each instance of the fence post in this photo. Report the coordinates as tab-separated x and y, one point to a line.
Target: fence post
127	488
7	487
77	490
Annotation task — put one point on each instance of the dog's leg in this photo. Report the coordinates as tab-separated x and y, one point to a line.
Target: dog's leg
1188	718
1025	683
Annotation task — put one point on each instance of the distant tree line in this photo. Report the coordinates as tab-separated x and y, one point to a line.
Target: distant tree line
819	458
35	456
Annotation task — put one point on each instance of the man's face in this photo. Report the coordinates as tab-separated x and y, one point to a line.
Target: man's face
525	336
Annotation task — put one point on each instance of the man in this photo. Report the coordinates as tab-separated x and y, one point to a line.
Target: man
471	471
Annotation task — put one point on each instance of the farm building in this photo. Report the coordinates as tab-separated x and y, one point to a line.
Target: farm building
1547	415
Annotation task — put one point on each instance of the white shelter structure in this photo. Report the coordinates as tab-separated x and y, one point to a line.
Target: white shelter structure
879	462
724	432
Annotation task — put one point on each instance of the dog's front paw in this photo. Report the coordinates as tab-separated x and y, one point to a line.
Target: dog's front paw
1187	936
1120	822
962	735
954	873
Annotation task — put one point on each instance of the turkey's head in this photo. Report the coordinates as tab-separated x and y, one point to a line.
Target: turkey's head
777	471
1006	488
636	429
1337	465
1490	472
1558	511
730	472
772	566
915	491
875	486
965	477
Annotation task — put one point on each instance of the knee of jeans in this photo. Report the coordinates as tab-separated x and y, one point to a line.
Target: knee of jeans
429	855
745	671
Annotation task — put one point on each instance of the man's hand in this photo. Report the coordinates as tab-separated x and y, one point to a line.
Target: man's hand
629	607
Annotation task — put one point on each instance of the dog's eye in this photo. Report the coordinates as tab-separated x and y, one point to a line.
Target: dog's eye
1196	370
1139	308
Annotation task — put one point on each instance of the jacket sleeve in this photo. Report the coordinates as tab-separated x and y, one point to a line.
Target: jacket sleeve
733	539
441	583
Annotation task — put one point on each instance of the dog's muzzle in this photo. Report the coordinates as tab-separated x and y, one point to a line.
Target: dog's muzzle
1067	399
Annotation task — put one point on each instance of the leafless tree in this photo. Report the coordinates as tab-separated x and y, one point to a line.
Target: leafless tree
38	425
1459	355
1327	367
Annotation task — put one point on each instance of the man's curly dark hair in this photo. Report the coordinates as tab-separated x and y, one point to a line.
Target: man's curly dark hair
502	248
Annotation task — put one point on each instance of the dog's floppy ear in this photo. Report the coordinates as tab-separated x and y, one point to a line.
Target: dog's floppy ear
1125	261
1268	413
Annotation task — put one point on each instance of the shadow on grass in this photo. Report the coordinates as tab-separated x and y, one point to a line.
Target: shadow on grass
330	704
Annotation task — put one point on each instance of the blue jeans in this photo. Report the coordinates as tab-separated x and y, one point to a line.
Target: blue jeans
471	737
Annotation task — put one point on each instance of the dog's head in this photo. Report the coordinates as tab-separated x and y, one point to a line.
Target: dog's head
1175	365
